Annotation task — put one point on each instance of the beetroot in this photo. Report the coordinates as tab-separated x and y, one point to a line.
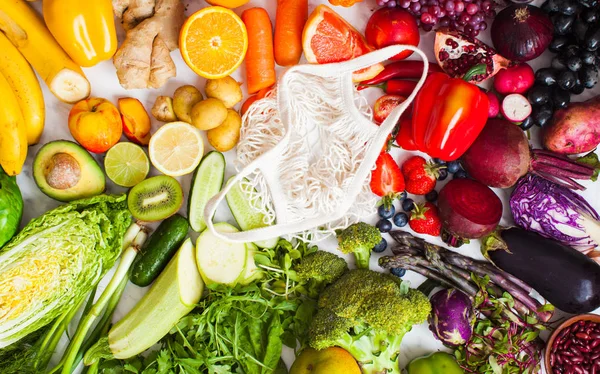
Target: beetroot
575	129
500	156
469	209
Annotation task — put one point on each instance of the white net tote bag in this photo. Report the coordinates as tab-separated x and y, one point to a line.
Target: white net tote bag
307	150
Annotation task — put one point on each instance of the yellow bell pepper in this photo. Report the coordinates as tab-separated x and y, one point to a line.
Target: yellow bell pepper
84	29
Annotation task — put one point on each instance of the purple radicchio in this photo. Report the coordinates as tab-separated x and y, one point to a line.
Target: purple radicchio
451	319
555	212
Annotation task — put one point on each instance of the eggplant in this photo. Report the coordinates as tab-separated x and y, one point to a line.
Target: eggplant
565	277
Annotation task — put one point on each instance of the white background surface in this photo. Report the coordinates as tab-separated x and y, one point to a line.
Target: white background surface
105	84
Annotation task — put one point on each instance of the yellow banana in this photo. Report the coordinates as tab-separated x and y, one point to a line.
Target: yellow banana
13	136
26	30
26	87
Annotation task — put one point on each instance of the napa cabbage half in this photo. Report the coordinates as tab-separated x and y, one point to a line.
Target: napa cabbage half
56	260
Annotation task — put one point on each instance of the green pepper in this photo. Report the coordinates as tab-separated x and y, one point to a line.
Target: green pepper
436	363
11	207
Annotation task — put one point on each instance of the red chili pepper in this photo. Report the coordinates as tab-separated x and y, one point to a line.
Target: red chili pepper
400	87
402	69
449	113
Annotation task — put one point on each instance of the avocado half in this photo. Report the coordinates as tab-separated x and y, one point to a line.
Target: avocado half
65	171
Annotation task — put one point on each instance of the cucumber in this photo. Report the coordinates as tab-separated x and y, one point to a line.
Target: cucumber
251	272
206	183
158	250
220	261
245	215
174	294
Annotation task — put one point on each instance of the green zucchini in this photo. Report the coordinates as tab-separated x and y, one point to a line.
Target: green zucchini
158	250
245	215
220	261
206	183
251	272
174	294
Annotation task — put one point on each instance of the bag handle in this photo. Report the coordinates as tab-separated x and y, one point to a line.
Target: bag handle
372	152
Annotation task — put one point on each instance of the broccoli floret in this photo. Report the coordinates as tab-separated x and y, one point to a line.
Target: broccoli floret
359	238
319	269
367	313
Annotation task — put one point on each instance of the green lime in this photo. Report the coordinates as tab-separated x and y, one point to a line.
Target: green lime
126	164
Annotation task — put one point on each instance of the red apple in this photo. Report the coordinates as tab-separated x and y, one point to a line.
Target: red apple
389	26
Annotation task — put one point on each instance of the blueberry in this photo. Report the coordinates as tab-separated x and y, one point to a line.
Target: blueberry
408	205
443	174
384	225
382	246
432	196
400	219
453	167
402	196
399	272
438	161
461	174
386	212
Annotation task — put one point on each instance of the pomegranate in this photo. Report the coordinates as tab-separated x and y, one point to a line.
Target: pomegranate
456	53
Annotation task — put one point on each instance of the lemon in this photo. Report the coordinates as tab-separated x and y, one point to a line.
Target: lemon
126	164
176	148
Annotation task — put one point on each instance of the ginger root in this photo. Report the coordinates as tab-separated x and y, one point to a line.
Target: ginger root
152	30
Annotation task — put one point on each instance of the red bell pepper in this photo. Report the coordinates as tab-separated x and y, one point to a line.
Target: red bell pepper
448	115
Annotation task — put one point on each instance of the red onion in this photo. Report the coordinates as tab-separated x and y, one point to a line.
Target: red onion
521	32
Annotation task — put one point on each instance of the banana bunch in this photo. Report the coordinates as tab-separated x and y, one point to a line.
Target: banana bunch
22	109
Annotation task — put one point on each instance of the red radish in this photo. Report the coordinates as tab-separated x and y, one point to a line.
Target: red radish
469	209
384	106
500	156
515	79
494	107
516	108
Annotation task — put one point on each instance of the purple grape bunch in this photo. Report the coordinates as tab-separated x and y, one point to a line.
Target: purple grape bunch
467	16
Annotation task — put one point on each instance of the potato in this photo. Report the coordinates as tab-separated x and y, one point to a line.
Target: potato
208	114
225	89
575	129
184	99
163	109
225	137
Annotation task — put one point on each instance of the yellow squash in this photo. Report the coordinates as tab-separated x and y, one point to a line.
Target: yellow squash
85	29
29	34
13	136
25	86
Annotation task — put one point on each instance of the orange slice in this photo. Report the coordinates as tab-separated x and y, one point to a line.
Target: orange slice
213	42
329	38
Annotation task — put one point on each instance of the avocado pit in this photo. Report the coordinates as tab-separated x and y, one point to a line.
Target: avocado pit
62	171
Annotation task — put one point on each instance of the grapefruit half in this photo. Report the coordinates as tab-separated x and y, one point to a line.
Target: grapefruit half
328	38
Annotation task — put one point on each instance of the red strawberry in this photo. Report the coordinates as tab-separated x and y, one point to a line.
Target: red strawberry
387	180
421	176
425	219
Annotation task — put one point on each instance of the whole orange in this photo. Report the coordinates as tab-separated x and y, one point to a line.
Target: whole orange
96	124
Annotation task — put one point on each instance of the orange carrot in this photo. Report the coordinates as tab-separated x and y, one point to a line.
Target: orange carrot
260	62
246	105
289	24
249	101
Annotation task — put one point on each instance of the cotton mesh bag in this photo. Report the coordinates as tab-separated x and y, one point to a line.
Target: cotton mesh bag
306	152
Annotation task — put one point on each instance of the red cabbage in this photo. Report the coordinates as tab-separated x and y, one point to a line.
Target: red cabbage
555	212
452	318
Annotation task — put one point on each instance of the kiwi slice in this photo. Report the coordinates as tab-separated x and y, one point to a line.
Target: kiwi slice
155	198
